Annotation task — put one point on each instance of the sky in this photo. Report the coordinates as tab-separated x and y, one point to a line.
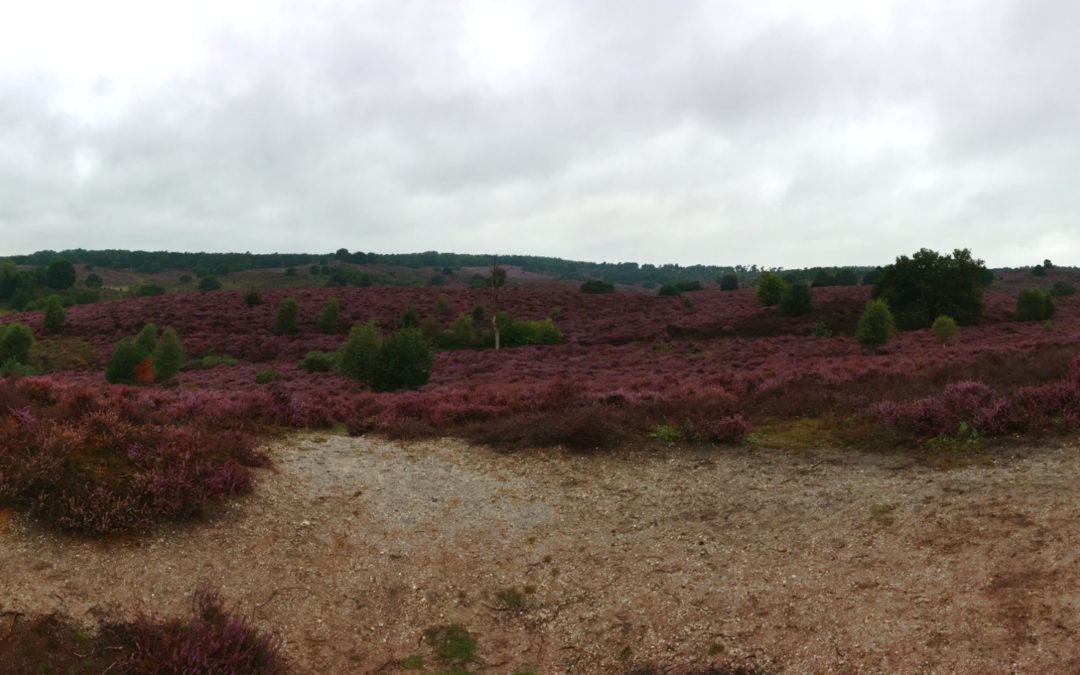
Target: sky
774	132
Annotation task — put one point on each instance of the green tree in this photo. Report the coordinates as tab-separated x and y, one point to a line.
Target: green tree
146	340
729	282
944	329
410	318
797	300
442	305
287	312
209	284
770	288
405	361
478	313
495	283
60	275
168	355
93	281
1062	289
597	286
927	285
16	339
1034	305
876	325
53	319
358	356
252	297
328	320
120	368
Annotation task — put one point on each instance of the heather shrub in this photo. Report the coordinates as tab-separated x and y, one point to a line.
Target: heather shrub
16	339
876	325
252	297
944	329
120	368
597	286
796	300
1034	305
53	319
318	362
328	320
730	429
405	359
287	313
358	356
770	288
168	355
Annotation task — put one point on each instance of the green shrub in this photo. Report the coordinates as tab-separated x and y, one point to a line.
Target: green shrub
93	281
797	300
876	325
290	271
517	333
770	288
410	318
944	328
1062	289
729	282
597	286
209	284
168	356
16	339
146	340
669	290
60	275
120	368
252	297
928	284
266	376
404	361
688	285
1034	305
328	320
821	330
442	306
319	362
478	313
287	313
459	335
452	643
53	319
11	367
149	289
212	360
358	356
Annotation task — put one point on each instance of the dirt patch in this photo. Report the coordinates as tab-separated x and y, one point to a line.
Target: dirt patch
806	562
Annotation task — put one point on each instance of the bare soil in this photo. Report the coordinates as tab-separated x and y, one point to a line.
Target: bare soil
676	560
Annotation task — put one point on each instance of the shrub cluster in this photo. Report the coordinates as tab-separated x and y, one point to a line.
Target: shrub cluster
146	358
597	286
1034	305
402	360
16	339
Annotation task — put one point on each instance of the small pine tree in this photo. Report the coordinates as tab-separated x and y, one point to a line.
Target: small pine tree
944	329
168	356
405	360
209	284
729	282
53	319
146	340
876	325
797	300
287	312
442	306
252	297
16	339
410	318
328	320
120	368
1034	305
770	288
478	313
358	356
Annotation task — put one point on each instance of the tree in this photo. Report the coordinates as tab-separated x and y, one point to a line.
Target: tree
597	286
93	281
358	356
209	284
442	305
287	312
1062	289
53	319
729	282
495	283
876	325
1034	305
797	300
16	339
328	320
252	297
146	340
770	288
60	275
927	285
405	361
168	356
120	368
944	329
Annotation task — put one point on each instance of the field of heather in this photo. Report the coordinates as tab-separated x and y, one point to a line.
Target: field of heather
640	386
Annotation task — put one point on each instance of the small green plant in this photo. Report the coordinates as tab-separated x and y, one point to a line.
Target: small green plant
944	329
211	360
876	325
770	288
287	313
716	648
965	439
319	362
1048	327
1034	305
12	367
209	284
53	319
267	376
252	297
821	330
412	662
797	300
16	340
478	313
442	306
667	434
687	305
510	598
624	655
556	312
1062	289
882	514
168	355
597	286
328	320
452	643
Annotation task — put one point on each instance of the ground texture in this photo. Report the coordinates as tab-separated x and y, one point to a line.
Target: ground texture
673	560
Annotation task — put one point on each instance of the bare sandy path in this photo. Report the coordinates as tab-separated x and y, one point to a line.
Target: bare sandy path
809	562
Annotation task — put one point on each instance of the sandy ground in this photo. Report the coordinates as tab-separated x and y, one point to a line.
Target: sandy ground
807	562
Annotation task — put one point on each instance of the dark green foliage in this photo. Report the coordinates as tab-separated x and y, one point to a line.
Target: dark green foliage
669	290
328	320
60	275
267	376
460	335
478	313
436	280
442	305
405	359
93	281
1034	305
319	362
359	354
478	281
847	277
252	297
797	300
16	340
410	318
185	278
927	285
1062	289
53	319
597	286
517	333
287	312
149	289
1038	271
290	271
688	285
168	356
146	340
120	368
729	282
770	288
209	284
821	330
876	325
452	643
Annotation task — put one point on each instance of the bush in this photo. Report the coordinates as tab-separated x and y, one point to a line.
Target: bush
60	275
358	356
146	340
209	284
328	320
1062	289
287	312
821	330
290	271
318	362
1034	305
442	306
410	318
876	325
168	356
404	361
770	288
797	300
944	329
266	376
16	340
729	282
93	281
149	289
460	335
252	297
53	319
597	286
517	333
927	285
687	286
669	290
478	313
120	368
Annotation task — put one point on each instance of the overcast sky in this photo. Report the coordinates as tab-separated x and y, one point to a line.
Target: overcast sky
778	133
